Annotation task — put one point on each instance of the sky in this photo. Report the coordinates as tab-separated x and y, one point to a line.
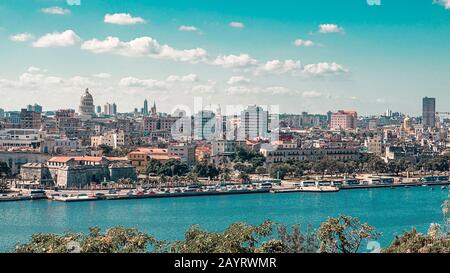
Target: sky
301	55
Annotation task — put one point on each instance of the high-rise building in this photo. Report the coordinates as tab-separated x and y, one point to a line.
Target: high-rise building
254	123
114	109
429	112
343	120
87	107
30	119
99	110
145	109
2	113
204	125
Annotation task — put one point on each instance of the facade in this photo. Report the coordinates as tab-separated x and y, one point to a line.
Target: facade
112	139
81	171
30	119
290	151
21	139
66	121
374	144
429	112
15	160
343	120
140	158
155	123
185	151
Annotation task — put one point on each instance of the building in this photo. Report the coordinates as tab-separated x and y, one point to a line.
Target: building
140	158
254	123
343	120
429	112
374	144
112	139
34	108
66	121
145	109
16	159
30	119
290	151
185	151
21	139
82	171
87	108
204	125
155	123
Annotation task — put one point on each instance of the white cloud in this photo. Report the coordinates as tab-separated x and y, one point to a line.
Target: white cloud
143	46
278	67
102	75
306	43
55	11
56	39
21	37
311	94
330	28
324	68
236	24
185	78
444	3
272	90
32	69
123	19
188	28
235	61
238	80
145	83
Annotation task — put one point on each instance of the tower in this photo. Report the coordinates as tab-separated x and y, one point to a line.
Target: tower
154	109
429	112
145	109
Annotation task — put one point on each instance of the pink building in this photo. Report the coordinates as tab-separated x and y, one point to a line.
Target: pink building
342	120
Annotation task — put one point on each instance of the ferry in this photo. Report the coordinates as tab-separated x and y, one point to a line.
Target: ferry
38	194
308	183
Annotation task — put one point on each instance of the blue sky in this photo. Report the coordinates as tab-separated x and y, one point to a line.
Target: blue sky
301	55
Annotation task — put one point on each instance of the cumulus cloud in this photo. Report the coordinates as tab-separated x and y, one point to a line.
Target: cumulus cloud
444	3
21	37
122	19
236	24
143	83
185	78
55	11
57	39
238	80
278	67
330	28
324	68
143	46
188	28
272	90
305	43
235	61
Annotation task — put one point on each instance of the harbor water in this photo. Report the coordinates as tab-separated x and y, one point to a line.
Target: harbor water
391	211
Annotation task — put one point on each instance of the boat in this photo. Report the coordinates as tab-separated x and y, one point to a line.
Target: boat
38	194
443	188
75	198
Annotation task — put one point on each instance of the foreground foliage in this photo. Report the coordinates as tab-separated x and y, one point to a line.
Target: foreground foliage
342	234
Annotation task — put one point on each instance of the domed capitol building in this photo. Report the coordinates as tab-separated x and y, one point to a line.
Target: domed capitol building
87	108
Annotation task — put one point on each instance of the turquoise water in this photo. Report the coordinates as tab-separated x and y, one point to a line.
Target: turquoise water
391	211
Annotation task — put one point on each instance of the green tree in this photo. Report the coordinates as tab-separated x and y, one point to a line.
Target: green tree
237	238
106	149
173	167
344	234
114	240
435	241
4	169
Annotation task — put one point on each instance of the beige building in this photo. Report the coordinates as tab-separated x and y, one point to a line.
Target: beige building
113	139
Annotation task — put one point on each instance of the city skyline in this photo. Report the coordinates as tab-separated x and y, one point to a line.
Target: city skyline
311	57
